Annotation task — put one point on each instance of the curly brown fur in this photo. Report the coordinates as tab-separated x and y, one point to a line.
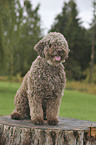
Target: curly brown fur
42	88
16	115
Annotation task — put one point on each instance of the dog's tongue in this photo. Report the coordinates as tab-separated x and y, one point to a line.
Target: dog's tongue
57	58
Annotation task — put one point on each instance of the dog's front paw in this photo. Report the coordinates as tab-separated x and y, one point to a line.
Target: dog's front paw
16	115
38	121
53	122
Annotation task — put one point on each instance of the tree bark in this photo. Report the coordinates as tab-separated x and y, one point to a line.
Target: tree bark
92	60
67	132
93	42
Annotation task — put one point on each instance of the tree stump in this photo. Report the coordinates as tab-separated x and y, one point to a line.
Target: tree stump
67	132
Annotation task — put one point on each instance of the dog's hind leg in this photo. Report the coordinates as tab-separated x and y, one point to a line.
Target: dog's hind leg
21	110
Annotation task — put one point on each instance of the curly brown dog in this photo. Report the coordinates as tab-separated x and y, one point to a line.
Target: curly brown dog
42	88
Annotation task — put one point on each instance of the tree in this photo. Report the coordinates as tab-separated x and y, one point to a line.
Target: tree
93	32
7	18
69	25
18	35
1	47
30	34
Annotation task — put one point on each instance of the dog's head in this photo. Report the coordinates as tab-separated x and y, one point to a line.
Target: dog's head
53	47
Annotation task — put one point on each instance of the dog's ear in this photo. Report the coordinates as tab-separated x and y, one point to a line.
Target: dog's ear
39	47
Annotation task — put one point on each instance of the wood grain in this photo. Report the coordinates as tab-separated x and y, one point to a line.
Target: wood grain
67	132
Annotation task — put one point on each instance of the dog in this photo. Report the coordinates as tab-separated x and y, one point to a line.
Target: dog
42	88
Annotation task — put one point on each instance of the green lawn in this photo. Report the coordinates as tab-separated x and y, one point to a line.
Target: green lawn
73	105
78	105
7	92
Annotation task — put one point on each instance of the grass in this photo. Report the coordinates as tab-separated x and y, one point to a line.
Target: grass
7	92
74	104
81	86
78	105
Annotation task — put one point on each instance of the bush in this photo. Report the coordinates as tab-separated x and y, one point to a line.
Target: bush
87	73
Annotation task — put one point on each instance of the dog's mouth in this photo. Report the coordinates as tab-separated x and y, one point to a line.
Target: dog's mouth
57	58
58	55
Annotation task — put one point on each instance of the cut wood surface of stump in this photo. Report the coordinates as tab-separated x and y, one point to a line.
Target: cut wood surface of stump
67	132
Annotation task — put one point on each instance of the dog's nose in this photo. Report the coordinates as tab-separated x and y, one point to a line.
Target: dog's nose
59	51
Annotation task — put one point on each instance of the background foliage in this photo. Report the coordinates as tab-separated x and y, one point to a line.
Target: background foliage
20	30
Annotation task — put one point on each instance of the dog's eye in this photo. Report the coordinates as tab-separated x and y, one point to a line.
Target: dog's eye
59	43
49	45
